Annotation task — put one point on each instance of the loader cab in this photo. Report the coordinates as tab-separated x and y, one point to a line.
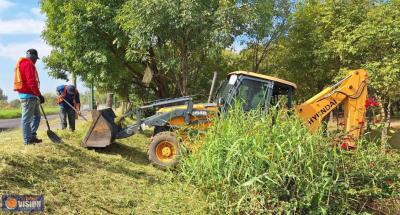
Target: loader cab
254	91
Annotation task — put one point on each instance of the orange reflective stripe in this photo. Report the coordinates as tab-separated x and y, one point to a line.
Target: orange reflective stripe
65	91
59	100
18	83
17	76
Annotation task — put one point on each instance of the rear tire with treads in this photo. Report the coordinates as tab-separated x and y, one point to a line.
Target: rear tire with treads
163	150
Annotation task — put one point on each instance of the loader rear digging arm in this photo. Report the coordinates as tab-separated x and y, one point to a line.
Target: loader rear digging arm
352	93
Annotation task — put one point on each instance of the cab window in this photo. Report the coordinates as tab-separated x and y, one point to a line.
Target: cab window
251	94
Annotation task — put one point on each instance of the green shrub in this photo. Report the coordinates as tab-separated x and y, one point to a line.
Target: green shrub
250	165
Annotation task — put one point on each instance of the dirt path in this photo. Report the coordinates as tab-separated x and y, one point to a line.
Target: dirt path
395	123
394	140
6	124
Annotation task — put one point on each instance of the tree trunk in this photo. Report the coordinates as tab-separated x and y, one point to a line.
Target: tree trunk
389	115
125	103
255	57
124	106
73	79
385	112
185	71
159	79
162	87
109	101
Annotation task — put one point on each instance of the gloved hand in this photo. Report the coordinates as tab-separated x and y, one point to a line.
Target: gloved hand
41	99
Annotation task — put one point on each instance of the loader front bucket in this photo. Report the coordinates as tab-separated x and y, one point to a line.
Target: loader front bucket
102	131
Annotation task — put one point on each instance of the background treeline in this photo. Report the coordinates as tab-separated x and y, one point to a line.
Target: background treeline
111	43
12	109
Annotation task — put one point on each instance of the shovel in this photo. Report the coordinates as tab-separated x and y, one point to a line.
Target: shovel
52	136
76	111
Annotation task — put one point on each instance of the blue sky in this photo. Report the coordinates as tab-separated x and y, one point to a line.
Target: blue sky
21	24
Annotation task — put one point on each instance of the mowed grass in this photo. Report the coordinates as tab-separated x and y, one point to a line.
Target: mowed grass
76	180
16	112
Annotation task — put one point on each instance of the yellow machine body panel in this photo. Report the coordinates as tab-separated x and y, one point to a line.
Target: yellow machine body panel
202	113
206	107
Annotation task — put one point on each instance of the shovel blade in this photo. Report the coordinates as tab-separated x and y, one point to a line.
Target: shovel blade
53	137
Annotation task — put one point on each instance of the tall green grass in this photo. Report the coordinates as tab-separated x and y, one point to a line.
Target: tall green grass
256	164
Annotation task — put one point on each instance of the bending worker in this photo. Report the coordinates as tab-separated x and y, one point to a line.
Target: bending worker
26	83
68	93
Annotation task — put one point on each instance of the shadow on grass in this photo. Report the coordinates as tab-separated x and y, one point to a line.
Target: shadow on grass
5	129
94	162
127	152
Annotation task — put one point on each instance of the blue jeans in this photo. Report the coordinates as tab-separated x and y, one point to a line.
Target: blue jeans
30	118
70	114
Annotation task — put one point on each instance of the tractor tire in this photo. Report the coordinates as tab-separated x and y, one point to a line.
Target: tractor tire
163	150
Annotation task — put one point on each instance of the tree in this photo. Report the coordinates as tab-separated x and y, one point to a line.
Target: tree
300	55
111	43
176	39
263	23
367	36
87	42
3	97
328	37
14	103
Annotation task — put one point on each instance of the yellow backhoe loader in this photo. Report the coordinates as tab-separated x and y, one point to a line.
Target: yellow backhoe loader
253	89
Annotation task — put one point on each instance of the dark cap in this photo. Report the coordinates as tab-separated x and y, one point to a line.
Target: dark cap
33	52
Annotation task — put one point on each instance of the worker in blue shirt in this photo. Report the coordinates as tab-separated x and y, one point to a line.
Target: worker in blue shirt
68	93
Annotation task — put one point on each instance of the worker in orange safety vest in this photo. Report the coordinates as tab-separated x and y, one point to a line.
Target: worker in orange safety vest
26	83
68	93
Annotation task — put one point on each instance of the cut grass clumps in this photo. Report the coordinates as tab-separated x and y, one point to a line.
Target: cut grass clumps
256	164
76	180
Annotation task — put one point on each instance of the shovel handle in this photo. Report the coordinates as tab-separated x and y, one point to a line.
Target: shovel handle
75	109
45	117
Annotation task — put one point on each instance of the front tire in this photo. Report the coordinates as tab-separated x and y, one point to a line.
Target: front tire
164	150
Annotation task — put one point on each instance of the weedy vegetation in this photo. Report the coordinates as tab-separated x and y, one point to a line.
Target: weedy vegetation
252	163
249	163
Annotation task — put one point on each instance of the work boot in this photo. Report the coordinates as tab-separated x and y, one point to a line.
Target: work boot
36	140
